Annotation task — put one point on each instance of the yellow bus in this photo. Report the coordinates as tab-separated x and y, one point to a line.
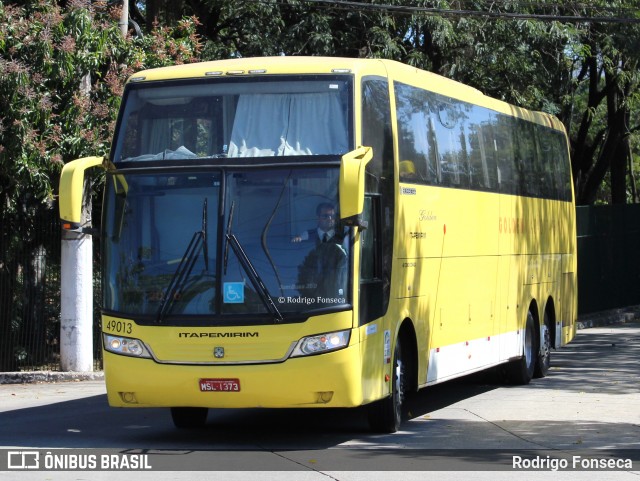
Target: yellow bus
296	232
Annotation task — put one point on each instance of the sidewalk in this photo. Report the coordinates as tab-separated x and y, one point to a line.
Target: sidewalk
607	318
597	319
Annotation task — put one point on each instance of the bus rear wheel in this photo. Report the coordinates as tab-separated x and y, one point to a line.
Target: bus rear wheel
521	370
189	418
385	416
544	353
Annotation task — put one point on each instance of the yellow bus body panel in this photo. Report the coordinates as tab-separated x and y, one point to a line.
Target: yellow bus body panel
296	382
468	267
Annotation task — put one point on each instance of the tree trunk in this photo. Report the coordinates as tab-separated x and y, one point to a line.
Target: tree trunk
152	12
619	173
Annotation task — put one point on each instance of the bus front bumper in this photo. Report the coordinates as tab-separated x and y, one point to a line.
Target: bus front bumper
326	380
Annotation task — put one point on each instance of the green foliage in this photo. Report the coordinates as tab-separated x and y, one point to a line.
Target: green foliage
61	77
62	72
602	106
585	73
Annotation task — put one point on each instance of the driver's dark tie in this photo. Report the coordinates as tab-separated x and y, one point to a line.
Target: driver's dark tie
325	237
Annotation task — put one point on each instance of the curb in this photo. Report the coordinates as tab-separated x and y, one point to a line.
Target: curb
30	377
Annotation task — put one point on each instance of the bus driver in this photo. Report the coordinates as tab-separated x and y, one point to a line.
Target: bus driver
323	271
326	227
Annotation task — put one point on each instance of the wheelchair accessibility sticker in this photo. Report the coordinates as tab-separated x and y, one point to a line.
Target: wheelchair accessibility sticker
233	292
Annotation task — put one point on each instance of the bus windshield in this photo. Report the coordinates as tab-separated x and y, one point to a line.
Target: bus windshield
234	117
224	245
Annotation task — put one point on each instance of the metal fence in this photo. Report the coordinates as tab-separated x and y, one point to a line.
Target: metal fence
30	294
608	257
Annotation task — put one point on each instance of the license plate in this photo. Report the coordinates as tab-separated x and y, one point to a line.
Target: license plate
224	385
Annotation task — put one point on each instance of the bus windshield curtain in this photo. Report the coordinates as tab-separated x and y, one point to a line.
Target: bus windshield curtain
285	124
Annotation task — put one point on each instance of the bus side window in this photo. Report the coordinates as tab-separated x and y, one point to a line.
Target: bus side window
379	187
482	160
563	180
416	136
508	177
547	165
527	159
370	260
376	132
372	304
451	140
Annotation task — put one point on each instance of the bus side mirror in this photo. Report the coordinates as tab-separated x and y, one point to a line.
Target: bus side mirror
351	189
72	191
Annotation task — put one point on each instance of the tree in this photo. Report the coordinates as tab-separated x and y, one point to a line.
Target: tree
47	119
607	81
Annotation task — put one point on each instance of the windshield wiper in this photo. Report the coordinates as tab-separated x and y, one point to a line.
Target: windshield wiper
267	226
248	267
227	233
197	243
205	246
255	278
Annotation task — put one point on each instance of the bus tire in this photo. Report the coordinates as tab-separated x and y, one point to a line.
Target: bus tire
189	418
386	415
521	370
544	352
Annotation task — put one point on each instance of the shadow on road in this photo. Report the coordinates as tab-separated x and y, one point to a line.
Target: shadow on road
90	422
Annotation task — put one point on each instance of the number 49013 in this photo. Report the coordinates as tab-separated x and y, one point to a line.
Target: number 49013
121	327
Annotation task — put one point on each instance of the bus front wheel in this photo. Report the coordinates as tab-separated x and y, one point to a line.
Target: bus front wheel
189	418
386	415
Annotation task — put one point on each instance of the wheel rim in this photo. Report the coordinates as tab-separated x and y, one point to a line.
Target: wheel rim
528	346
399	386
545	347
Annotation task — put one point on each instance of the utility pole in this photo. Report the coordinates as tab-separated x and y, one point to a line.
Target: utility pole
123	23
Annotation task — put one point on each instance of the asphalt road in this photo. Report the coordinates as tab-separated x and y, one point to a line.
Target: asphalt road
584	413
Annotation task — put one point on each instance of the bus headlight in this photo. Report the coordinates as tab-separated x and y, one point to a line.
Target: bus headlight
125	346
321	343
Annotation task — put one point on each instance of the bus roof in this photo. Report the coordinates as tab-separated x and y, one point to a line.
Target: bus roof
256	66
